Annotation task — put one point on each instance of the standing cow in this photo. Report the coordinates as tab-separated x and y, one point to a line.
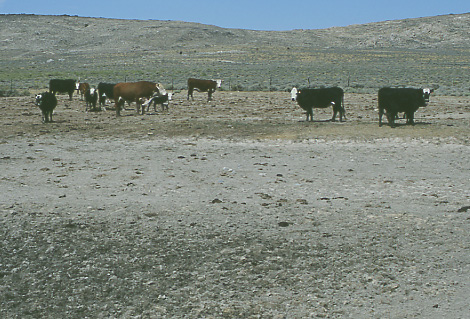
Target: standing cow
162	100
308	99
47	102
105	91
91	97
394	100
82	88
208	86
133	92
62	86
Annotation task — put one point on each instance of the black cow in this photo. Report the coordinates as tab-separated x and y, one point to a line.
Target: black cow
105	90
308	99
47	102
62	86
394	100
208	86
91	97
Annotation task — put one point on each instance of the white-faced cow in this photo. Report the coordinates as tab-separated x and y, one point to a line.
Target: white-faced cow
208	86
309	98
91	97
133	92
394	100
47	102
162	100
62	86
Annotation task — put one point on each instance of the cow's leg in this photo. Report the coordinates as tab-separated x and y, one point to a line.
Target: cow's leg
190	92
310	114
117	106
391	118
410	118
70	95
381	113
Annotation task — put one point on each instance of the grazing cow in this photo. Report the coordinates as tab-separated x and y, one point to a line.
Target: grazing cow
394	100
162	100
47	102
208	86
133	92
62	86
105	90
82	88
308	99
91	97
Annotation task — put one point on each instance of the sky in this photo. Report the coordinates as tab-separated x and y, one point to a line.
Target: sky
245	14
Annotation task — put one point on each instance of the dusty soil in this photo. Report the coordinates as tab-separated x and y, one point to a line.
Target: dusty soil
235	208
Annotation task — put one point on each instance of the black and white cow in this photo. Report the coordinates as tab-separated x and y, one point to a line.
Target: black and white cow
105	91
47	102
162	100
394	100
309	98
91	97
62	86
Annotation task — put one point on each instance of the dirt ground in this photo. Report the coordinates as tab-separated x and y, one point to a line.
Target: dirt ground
235	208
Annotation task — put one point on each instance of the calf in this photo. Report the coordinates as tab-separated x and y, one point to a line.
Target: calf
62	86
394	100
208	86
162	100
47	102
308	99
91	97
82	88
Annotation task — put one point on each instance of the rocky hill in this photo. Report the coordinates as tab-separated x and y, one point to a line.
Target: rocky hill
97	47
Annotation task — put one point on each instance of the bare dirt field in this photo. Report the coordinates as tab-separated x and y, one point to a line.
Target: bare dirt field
235	208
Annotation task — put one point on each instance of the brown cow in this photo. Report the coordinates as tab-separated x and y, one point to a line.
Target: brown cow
82	88
133	92
208	86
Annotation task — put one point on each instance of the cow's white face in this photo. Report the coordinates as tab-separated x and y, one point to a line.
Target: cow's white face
293	94
219	83
169	96
427	93
160	89
77	85
92	91
38	99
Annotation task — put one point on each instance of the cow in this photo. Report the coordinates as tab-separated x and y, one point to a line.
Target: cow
47	102
133	92
62	86
105	90
82	88
162	100
309	98
91	97
208	86
394	100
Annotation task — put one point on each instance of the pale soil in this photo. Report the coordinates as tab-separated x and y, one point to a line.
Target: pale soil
235	208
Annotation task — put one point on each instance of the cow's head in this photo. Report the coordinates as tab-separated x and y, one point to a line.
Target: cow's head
293	93
219	83
159	89
427	93
38	99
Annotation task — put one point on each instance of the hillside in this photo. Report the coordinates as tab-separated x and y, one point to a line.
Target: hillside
110	49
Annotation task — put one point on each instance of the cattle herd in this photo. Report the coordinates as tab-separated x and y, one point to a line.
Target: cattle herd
391	101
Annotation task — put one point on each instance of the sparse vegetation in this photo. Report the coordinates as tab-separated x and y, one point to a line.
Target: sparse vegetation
414	52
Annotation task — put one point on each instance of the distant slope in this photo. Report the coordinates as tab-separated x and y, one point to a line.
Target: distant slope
361	58
34	32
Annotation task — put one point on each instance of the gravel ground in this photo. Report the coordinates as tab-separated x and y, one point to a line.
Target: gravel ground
234	209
